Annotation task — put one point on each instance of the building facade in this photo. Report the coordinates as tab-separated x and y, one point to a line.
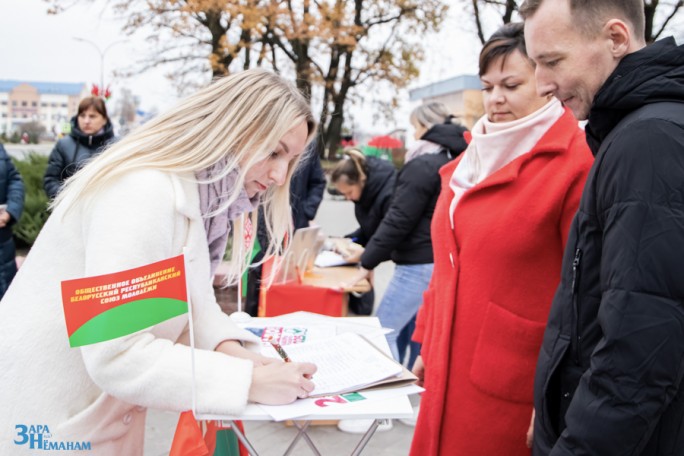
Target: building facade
461	94
52	104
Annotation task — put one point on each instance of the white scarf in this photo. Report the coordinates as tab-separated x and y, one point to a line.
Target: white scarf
421	147
494	145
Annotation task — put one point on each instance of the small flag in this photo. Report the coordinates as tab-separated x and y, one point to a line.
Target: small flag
113	305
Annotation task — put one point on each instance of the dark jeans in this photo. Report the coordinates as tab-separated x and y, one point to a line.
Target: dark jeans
404	342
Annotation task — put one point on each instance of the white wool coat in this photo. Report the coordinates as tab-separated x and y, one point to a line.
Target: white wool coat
99	393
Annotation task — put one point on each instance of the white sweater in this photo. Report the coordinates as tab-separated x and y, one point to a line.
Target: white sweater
99	393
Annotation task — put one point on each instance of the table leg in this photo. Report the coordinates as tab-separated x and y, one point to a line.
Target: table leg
366	437
302	433
242	438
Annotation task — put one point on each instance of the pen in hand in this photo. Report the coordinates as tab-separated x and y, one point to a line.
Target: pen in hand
285	357
281	352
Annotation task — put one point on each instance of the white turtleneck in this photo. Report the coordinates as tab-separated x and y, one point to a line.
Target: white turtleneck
494	145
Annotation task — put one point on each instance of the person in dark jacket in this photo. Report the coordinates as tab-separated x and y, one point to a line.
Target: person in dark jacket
12	200
610	374
91	131
404	232
368	182
306	189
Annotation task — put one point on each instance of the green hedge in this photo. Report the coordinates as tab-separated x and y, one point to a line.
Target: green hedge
32	169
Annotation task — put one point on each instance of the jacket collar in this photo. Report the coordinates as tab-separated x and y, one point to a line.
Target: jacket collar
555	141
650	75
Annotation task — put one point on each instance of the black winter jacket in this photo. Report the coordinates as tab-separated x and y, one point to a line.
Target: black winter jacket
71	153
610	375
375	199
404	234
11	194
306	189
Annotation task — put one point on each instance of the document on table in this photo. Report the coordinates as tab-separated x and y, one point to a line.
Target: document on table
346	363
320	322
286	335
343	404
327	258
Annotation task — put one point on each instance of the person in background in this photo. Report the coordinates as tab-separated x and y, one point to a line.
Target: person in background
306	193
172	186
404	232
368	182
610	377
499	231
91	132
11	208
307	188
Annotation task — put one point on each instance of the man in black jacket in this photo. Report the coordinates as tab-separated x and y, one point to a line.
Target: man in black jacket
610	375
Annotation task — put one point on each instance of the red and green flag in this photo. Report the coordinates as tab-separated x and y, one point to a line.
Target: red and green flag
108	306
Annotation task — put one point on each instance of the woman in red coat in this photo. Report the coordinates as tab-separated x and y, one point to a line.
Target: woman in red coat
499	230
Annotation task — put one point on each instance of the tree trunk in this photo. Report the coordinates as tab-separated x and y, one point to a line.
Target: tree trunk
334	130
213	24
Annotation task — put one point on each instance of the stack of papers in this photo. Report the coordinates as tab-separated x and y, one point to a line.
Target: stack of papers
348	362
328	258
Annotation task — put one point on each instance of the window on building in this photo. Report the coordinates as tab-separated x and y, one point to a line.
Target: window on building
24	103
25	116
64	105
43	105
14	103
3	102
34	104
54	105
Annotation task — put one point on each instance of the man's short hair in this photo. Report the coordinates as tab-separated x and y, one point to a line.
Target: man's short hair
590	15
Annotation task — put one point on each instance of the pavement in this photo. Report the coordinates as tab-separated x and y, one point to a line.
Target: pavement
336	217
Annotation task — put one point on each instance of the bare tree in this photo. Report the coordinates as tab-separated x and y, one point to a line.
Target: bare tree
665	12
659	15
331	47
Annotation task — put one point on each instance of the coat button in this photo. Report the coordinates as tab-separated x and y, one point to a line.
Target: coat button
127	418
566	395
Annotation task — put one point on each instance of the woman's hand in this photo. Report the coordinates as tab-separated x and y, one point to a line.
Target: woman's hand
353	252
530	432
281	383
4	218
358	277
419	370
234	348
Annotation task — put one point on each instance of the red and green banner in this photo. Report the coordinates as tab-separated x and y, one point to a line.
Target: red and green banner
108	306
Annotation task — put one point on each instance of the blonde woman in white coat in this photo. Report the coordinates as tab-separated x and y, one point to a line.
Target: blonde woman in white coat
173	183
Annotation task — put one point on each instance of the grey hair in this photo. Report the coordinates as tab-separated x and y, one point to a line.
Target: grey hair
430	114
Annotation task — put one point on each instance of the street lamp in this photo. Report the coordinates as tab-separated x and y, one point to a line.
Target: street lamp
102	55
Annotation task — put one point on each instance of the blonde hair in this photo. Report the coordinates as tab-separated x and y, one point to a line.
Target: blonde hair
237	120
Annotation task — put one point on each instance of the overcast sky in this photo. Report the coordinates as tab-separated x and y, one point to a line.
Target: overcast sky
36	46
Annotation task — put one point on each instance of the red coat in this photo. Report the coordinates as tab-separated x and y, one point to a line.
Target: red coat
484	313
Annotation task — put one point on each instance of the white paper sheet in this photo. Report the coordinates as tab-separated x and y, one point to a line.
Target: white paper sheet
352	403
345	363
